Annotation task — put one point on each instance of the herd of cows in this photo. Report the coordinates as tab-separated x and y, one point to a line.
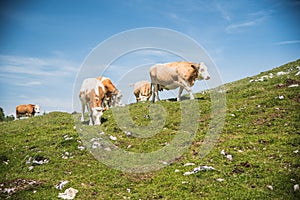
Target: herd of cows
98	94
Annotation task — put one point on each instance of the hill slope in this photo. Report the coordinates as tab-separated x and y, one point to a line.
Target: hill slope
261	134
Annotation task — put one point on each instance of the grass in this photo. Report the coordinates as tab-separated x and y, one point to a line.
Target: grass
261	132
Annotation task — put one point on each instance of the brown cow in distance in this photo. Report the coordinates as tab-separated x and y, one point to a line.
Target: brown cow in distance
142	91
28	110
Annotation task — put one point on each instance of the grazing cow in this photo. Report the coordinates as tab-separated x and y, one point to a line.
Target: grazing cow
112	95
27	110
176	74
91	95
142	91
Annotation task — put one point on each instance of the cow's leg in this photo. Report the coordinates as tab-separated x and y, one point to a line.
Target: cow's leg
189	90
91	123
82	112
153	91
90	110
179	93
83	103
156	92
184	85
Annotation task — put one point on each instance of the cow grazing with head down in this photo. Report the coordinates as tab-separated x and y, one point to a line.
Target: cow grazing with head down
112	94
28	110
91	95
142	91
177	74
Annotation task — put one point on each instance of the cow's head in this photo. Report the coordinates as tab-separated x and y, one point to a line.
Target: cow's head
116	98
143	97
97	113
202	71
37	109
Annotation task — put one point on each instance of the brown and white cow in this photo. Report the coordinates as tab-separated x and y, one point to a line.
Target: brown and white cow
142	91
91	95
177	74
113	95
28	110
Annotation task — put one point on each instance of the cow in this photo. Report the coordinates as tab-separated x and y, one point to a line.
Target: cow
112	95
92	95
176	74
142	91
28	110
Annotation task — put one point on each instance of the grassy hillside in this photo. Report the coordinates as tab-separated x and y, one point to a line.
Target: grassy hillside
261	133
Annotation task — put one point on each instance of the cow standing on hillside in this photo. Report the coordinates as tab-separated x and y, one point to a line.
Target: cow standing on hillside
91	95
28	110
176	74
112	94
142	91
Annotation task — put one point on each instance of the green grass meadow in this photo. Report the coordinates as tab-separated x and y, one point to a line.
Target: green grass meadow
261	132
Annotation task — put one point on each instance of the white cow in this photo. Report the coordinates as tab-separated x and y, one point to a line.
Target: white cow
177	74
91	95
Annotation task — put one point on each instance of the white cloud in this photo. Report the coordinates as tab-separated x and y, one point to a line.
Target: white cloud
29	71
36	66
237	27
177	17
31	83
252	19
223	11
287	42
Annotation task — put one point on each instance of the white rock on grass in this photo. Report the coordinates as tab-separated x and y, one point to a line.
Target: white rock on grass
198	169
69	193
296	187
113	138
66	137
127	133
281	73
81	148
95	145
61	184
227	155
189	164
293	85
281	97
270	187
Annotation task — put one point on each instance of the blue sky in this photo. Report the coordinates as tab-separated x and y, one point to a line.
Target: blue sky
44	43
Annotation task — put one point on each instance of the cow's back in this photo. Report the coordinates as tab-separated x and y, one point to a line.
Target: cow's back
142	87
90	89
109	86
187	70
163	74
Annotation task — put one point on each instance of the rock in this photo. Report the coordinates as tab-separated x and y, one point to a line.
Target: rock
69	193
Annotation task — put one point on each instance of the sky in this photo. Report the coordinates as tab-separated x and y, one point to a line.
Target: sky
44	45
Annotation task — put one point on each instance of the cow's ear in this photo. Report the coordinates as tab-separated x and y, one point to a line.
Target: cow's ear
195	66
